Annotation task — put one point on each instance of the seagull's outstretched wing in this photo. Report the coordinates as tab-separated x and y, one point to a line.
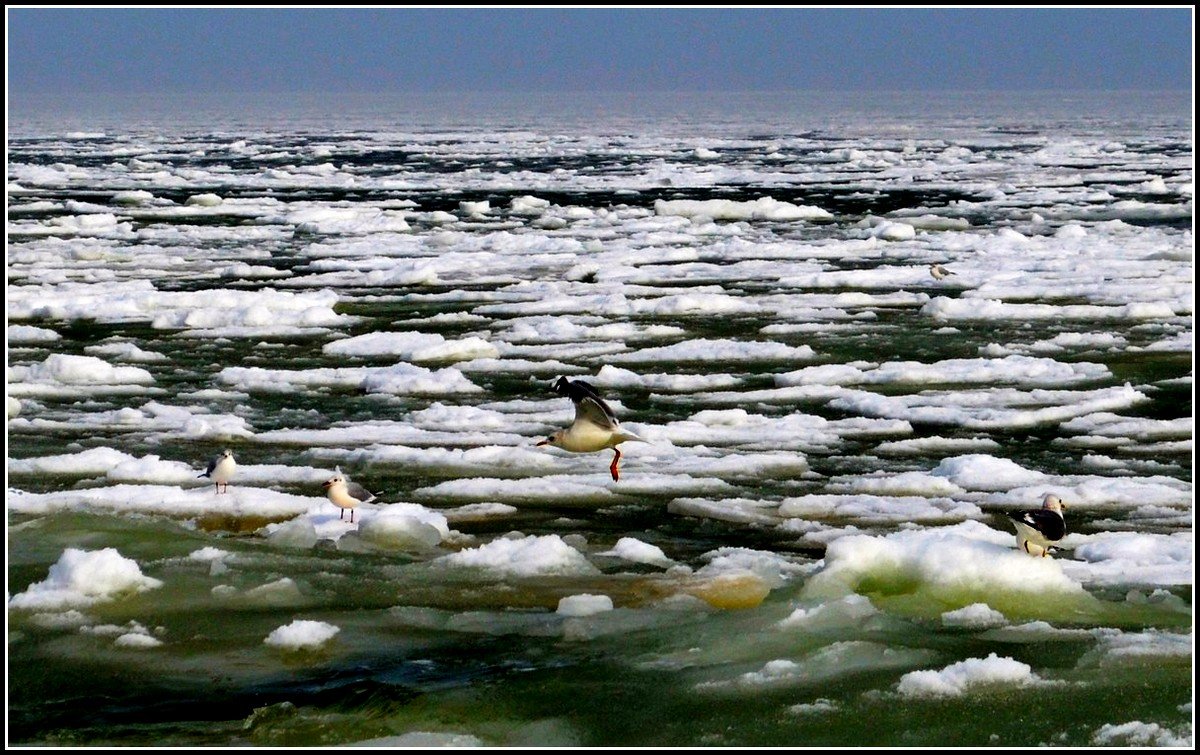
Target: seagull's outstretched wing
588	404
1050	524
594	410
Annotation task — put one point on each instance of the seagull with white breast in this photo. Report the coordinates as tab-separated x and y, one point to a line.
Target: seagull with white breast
938	272
595	427
1038	529
220	470
346	494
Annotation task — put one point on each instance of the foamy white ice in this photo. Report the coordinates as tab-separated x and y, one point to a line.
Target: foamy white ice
584	604
1142	734
159	420
412	347
974	616
637	551
522	557
162	500
301	634
400	378
21	335
871	509
211	312
82	578
967	676
963	563
1021	370
989	409
617	377
716	350
764	208
1133	558
65	375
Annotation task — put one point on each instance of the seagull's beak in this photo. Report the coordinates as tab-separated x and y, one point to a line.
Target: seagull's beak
327	483
545	442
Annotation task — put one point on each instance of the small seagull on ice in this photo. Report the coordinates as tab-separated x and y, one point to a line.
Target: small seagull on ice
595	427
345	494
220	469
939	272
1038	528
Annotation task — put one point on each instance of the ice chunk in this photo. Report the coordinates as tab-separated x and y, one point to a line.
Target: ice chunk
967	676
929	569
523	557
584	605
974	616
302	634
83	578
632	549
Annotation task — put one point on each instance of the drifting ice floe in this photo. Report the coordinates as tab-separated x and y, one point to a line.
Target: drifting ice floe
967	676
959	564
302	634
83	578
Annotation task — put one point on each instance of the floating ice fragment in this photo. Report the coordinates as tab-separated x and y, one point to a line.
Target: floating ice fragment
584	605
82	578
523	557
966	676
302	634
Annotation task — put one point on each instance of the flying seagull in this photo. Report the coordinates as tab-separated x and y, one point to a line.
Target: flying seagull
595	427
220	470
1037	529
939	272
345	494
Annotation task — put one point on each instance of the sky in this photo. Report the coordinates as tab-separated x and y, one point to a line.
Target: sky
180	50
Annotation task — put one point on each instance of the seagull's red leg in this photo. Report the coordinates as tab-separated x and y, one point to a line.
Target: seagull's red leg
615	467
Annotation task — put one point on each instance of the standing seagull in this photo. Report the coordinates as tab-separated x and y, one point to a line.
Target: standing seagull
595	427
220	469
939	272
1038	528
345	494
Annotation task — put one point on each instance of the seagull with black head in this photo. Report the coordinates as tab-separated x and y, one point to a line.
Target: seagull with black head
595	427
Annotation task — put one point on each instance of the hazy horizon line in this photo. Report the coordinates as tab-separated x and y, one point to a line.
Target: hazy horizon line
76	93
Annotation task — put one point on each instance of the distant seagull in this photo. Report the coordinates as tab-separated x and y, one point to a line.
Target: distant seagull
1037	529
220	470
939	272
595	427
345	494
